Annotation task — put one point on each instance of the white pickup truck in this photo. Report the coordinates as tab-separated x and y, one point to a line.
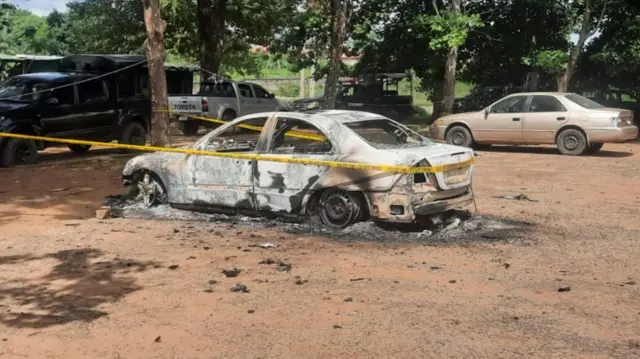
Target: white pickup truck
224	100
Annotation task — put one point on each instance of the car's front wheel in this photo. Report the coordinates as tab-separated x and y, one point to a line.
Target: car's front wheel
149	190
459	136
18	151
572	142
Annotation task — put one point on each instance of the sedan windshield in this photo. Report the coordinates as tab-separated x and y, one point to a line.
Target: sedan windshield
21	89
383	133
583	101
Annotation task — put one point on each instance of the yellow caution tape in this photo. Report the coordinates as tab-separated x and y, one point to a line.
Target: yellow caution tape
257	157
297	134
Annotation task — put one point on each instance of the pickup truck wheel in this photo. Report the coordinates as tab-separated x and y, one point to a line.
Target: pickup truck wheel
228	116
572	142
133	134
459	136
190	128
79	148
19	151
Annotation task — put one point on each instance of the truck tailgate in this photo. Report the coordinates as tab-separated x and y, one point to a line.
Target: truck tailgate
185	104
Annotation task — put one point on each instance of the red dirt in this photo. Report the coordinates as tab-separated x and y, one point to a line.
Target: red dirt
75	287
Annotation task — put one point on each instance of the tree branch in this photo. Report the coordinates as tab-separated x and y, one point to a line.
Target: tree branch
435	7
604	8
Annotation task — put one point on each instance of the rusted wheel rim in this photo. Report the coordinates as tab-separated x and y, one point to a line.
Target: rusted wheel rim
338	209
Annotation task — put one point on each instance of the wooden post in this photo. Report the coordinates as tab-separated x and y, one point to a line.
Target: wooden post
154	49
312	83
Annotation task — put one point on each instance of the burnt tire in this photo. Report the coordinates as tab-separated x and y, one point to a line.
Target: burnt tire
572	142
133	134
190	127
459	136
594	147
338	209
79	148
18	152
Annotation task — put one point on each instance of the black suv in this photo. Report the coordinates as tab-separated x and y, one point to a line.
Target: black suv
76	105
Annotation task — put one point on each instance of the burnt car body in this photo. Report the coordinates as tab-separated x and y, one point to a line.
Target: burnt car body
337	196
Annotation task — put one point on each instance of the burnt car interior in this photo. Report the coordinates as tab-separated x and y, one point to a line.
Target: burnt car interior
284	142
382	133
237	138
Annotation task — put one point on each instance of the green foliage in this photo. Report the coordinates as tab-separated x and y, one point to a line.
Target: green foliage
449	29
550	61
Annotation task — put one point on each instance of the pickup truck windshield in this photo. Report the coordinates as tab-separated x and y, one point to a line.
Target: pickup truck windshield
383	133
21	89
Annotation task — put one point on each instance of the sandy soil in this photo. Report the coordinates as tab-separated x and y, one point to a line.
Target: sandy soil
72	286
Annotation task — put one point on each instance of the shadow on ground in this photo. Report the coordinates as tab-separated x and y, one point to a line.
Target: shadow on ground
604	153
74	290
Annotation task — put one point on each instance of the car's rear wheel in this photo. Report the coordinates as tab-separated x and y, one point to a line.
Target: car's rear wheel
190	127
459	136
18	151
79	148
149	190
595	147
572	142
338	208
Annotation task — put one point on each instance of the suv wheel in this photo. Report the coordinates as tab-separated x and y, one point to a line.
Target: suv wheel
19	151
133	134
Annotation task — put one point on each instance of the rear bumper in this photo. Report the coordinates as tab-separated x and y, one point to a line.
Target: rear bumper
430	208
605	135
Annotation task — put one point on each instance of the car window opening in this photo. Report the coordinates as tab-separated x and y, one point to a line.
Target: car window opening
296	136
383	133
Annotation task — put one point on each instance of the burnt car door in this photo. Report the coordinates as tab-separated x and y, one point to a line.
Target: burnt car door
281	187
221	181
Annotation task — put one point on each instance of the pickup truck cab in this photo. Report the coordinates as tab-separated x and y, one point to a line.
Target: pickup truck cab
223	100
71	105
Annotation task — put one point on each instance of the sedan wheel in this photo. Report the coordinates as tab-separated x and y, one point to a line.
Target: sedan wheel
572	142
150	191
338	208
459	136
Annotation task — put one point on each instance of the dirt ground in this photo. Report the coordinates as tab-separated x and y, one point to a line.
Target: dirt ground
568	286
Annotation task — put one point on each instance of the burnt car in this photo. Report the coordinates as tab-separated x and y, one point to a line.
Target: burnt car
338	197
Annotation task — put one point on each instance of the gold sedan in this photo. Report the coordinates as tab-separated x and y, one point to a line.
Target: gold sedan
572	122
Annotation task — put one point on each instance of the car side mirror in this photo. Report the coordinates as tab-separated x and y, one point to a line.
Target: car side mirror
51	101
486	113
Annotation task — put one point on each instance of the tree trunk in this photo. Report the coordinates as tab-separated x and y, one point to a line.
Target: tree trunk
338	33
437	101
211	28
154	48
449	90
564	78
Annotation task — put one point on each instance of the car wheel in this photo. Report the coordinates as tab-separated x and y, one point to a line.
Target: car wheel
79	148
133	134
595	147
572	142
228	116
459	136
189	128
19	151
149	190
338	208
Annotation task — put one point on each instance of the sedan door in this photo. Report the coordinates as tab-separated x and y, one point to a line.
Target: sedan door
225	182
264	100
545	116
503	121
283	186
